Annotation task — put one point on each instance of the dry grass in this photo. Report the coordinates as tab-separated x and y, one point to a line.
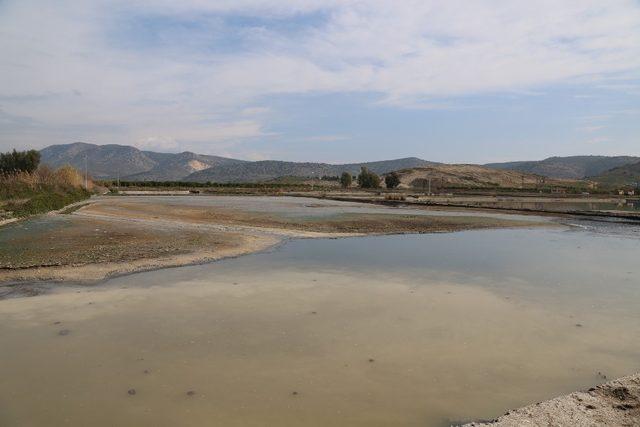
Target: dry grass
24	193
396	197
66	176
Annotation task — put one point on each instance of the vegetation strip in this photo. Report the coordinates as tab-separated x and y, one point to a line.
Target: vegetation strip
29	189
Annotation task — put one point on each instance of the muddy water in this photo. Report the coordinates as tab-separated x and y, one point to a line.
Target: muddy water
397	330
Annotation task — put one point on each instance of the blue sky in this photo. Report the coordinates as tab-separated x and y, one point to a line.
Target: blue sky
333	81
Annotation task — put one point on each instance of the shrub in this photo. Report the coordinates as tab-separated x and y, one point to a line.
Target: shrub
368	179
67	175
395	197
345	180
392	180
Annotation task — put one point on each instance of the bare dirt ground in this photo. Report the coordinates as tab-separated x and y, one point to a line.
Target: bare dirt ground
616	403
361	223
86	250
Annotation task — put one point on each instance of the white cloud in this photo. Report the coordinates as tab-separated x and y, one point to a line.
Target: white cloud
326	138
62	70
591	129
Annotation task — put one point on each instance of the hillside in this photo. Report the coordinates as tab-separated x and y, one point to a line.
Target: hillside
574	167
469	176
111	161
103	161
174	167
627	175
129	163
271	169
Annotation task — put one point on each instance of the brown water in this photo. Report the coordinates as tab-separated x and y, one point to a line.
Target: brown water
397	330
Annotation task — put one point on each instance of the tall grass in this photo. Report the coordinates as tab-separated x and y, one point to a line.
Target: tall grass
24	193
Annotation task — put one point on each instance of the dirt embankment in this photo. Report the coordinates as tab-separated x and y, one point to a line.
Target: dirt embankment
616	403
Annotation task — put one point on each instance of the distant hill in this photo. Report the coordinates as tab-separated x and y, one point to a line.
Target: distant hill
130	163
574	167
627	175
175	167
110	161
271	169
470	176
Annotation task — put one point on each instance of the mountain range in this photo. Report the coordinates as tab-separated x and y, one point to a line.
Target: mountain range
112	161
627	175
573	167
129	163
270	169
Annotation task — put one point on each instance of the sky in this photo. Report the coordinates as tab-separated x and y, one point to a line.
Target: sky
324	80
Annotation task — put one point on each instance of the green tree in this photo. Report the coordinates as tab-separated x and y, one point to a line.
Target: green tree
19	161
345	180
368	179
392	180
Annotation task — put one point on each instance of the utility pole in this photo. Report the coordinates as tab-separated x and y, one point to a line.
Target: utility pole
86	173
429	185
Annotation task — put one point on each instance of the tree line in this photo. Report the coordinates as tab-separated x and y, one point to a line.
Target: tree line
368	179
19	161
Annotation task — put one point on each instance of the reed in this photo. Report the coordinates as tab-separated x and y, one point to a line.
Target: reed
28	193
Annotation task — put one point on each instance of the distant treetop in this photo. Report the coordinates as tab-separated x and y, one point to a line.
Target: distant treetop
19	161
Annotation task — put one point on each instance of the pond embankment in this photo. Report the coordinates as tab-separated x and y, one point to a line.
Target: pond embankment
615	403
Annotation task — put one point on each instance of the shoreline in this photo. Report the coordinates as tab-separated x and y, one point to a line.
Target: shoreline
207	235
34	281
630	217
67	209
614	403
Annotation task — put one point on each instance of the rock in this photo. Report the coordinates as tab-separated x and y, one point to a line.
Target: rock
64	332
131	392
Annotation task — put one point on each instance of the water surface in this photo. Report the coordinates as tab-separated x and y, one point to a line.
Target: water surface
415	330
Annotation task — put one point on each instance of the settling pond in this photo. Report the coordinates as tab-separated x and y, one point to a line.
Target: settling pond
412	330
